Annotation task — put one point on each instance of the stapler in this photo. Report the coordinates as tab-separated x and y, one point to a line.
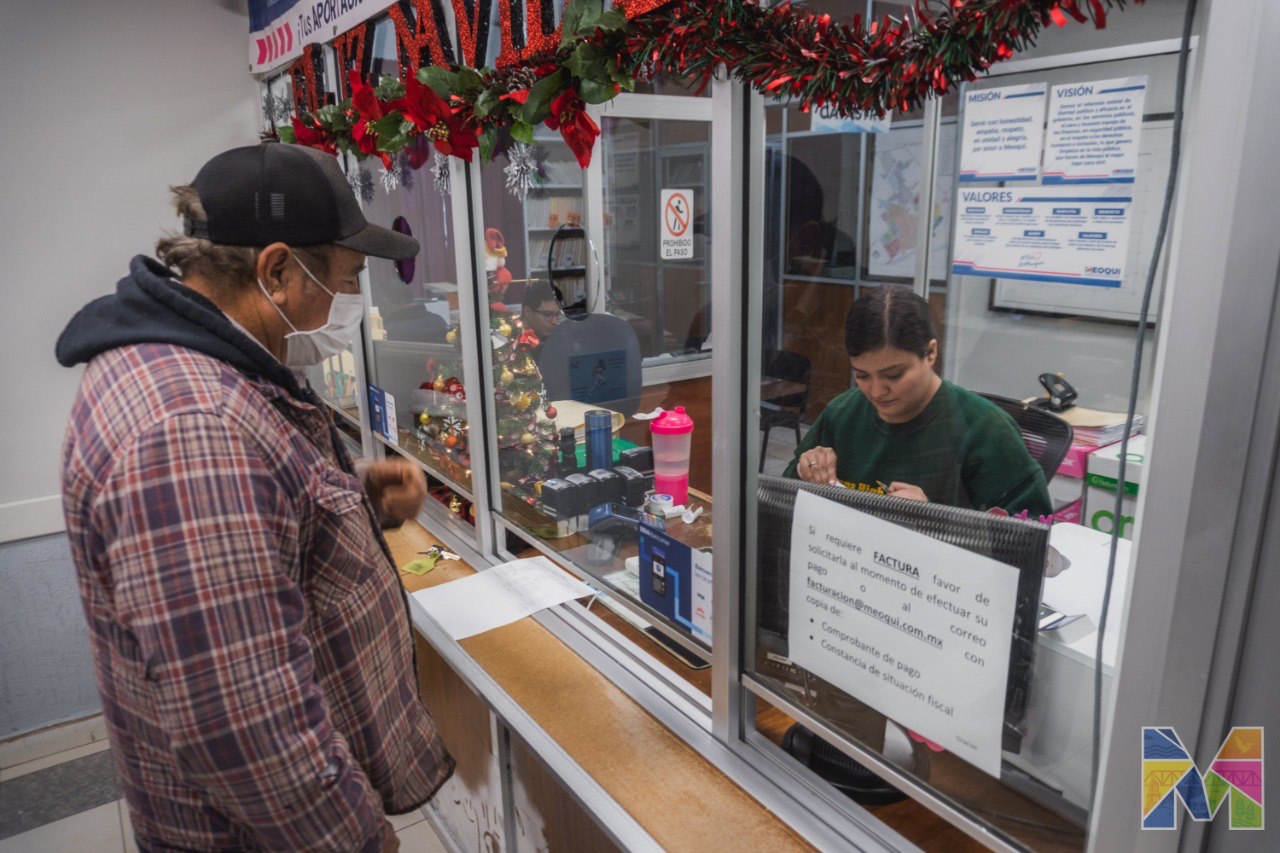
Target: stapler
1060	394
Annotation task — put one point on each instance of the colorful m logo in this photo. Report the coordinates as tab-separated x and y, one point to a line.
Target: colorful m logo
1169	775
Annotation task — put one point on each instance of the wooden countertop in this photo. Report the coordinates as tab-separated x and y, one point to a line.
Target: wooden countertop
633	757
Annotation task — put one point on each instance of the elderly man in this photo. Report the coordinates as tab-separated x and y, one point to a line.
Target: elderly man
247	624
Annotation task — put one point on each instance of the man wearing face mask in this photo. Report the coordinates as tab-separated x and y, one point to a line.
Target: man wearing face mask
248	628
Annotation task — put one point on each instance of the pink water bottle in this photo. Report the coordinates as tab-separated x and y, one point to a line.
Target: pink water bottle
672	434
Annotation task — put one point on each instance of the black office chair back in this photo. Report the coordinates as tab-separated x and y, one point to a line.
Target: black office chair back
787	409
793	367
1047	436
572	353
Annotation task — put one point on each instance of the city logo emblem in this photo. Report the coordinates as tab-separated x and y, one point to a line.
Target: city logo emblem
1170	777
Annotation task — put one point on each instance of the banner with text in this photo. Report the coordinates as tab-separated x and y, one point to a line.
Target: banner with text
916	628
1044	234
1093	132
279	29
1003	134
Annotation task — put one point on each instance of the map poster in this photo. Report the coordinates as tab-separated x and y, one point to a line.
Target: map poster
1003	134
1057	234
917	628
1093	132
893	222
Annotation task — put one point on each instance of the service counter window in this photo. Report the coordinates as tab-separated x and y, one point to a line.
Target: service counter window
934	521
417	393
338	381
604	464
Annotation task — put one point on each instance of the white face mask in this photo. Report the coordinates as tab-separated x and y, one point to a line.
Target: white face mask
304	348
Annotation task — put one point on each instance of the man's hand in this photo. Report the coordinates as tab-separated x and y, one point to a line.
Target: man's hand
397	488
817	465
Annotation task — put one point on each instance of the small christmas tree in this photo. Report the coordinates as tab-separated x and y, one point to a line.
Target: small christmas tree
526	420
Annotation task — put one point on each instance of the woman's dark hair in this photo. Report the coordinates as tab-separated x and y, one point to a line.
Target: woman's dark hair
888	316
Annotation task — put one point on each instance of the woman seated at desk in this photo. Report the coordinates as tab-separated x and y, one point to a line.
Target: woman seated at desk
906	431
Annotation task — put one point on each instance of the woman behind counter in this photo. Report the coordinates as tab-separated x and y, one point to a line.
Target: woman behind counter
906	431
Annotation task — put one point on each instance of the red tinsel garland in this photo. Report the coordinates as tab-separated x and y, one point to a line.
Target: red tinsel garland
350	50
888	64
424	33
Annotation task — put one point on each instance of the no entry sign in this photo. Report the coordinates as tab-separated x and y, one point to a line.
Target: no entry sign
676	214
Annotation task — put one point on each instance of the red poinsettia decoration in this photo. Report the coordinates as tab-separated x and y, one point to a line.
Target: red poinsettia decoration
447	129
528	340
370	109
312	137
569	116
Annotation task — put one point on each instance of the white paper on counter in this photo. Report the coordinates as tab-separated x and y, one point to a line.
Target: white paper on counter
499	596
917	628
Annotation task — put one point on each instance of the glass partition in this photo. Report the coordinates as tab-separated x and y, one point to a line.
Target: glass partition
339	382
416	378
584	314
920	423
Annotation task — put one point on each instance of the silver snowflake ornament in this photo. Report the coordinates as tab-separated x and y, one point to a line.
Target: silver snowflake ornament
361	183
440	173
521	169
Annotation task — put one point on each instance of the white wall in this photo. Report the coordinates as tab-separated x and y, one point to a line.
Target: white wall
46	673
1004	352
104	106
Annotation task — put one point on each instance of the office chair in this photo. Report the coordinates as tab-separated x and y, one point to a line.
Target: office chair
1047	436
595	359
786	410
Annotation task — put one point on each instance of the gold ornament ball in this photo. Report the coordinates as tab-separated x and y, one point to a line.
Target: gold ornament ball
439	384
504	329
424	419
527	439
507	377
452	336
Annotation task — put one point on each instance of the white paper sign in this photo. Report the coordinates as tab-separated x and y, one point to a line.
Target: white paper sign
392	433
675	212
1003	134
499	596
701	569
827	119
1059	234
1093	132
916	628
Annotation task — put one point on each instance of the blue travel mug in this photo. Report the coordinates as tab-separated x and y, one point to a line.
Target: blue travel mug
598	425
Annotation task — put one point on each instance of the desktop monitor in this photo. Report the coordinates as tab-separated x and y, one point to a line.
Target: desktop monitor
1016	542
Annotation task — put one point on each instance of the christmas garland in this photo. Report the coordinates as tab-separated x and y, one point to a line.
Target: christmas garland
889	64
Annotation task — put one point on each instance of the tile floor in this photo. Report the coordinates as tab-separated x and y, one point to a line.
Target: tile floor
37	795
781	449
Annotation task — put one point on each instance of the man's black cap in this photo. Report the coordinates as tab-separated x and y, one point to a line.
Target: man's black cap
275	192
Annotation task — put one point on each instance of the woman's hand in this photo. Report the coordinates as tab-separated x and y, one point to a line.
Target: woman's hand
397	488
908	491
817	465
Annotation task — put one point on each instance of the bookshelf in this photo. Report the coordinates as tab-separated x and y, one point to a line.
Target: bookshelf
555	243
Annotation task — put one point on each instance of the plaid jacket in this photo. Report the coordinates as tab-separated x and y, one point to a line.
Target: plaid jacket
248	627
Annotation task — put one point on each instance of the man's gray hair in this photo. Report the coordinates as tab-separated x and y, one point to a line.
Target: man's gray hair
227	268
